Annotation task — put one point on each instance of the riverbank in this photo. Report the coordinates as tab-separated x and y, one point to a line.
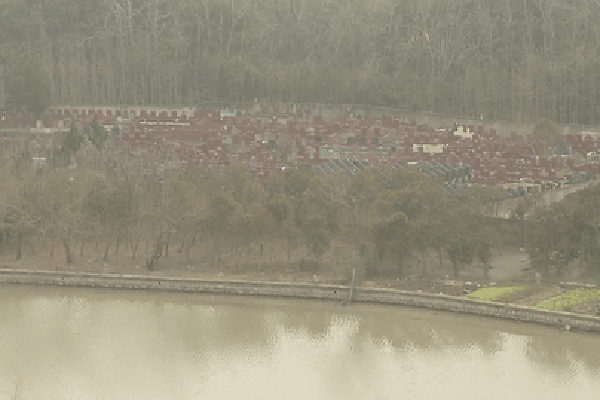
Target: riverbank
341	293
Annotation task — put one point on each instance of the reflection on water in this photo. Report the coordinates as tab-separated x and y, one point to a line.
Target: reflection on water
85	344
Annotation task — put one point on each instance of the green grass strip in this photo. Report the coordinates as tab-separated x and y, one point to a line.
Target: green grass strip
494	293
571	298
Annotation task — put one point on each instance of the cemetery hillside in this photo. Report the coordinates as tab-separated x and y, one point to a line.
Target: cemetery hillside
434	146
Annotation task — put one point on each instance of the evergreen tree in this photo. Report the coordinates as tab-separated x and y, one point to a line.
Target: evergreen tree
97	134
68	147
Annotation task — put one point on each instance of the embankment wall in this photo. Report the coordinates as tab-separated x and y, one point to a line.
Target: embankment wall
308	291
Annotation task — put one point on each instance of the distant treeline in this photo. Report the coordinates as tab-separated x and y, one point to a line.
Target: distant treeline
518	60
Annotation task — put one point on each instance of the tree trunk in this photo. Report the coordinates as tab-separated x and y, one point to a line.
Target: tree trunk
522	231
167	245
19	242
105	257
191	244
68	254
134	247
157	253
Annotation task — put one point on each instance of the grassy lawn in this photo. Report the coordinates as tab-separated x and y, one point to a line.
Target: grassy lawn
494	293
571	298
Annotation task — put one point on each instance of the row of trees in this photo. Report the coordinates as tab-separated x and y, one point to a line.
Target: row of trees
510	59
384	219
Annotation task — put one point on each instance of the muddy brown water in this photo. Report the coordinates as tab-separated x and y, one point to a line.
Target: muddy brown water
72	343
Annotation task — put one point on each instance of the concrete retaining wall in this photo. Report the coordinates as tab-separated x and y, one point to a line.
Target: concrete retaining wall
309	291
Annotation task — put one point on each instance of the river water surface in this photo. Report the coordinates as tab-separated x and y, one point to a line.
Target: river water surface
67	343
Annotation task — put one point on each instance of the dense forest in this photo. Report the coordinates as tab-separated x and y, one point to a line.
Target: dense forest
519	60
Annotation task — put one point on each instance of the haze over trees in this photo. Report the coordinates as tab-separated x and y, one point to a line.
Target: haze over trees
520	60
380	220
390	223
